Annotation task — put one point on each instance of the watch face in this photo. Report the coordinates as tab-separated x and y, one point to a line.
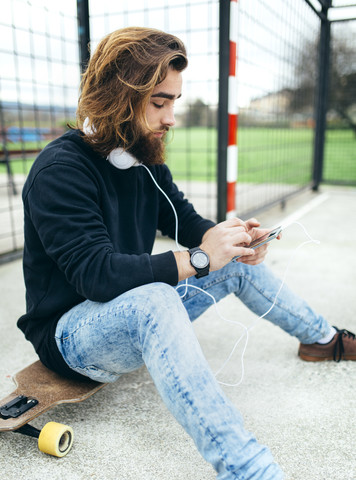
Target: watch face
200	259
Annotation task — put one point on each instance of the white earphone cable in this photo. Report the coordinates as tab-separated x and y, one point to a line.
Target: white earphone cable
186	285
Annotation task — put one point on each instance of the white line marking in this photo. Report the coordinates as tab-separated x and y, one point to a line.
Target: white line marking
302	211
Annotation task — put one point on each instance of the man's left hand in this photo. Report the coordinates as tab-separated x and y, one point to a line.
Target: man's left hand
260	253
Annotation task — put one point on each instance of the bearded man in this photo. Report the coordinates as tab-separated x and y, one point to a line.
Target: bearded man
99	303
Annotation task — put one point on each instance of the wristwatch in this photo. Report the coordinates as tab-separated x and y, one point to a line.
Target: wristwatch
200	261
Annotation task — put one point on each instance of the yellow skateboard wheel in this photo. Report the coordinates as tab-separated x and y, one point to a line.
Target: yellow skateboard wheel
55	439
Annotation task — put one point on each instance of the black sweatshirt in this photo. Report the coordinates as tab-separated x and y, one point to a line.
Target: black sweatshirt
89	233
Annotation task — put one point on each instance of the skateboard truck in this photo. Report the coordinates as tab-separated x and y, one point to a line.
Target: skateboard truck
54	438
17	407
39	387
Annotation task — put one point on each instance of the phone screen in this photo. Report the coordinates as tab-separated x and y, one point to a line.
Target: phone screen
267	237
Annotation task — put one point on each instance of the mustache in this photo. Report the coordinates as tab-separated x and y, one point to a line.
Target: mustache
164	129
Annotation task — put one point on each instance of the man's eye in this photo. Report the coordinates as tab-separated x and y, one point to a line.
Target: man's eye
157	105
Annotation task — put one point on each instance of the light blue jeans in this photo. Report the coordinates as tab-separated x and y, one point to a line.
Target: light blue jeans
151	325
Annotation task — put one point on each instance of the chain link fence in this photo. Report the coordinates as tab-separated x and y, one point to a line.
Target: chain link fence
340	144
276	118
277	79
38	94
191	153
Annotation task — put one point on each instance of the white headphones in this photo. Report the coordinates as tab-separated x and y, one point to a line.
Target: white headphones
119	158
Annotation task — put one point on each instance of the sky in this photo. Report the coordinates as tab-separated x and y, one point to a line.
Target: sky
43	34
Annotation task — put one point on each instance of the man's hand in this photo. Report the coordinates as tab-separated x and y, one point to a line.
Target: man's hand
260	253
227	240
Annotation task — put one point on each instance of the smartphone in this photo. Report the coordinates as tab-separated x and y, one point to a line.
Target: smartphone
267	237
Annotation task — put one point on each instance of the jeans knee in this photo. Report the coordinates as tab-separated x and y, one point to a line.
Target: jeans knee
161	301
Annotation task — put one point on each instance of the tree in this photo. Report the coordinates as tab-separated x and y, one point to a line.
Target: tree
342	81
200	114
342	92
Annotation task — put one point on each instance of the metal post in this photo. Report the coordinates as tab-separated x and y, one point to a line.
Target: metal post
83	32
321	98
224	59
232	111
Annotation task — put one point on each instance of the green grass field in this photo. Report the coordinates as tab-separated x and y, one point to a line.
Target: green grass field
340	156
265	155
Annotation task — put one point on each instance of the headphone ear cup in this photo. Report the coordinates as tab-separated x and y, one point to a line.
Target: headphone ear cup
118	157
121	159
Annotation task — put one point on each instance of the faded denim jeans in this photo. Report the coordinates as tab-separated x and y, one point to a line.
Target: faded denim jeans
151	325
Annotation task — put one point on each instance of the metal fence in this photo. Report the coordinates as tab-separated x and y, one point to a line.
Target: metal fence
278	51
192	150
38	94
276	122
340	142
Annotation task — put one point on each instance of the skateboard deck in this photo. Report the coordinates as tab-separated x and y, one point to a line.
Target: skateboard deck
38	389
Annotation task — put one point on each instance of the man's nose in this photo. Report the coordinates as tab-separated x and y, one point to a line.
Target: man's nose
168	118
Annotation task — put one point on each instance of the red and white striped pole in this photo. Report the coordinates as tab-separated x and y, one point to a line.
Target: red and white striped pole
232	149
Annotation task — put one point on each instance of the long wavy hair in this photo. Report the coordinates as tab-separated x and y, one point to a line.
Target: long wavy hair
118	82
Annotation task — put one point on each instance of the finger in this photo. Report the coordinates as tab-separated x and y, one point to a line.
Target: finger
262	249
239	235
258	232
251	259
243	252
241	238
260	254
251	223
233	222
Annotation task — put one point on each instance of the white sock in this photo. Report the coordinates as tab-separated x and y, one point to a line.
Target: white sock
328	337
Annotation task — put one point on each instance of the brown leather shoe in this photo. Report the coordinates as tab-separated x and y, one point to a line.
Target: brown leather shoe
341	347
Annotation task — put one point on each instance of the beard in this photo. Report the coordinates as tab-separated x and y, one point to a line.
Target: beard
149	150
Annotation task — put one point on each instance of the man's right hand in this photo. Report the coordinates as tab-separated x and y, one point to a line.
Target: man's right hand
222	243
225	241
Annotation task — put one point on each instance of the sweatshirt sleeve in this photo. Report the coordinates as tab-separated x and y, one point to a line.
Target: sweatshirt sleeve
63	203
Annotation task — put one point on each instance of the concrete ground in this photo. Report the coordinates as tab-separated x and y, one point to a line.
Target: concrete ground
304	412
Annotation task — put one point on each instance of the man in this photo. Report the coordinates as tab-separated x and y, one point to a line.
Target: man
99	304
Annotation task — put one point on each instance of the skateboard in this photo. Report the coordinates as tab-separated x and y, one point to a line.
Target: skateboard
38	390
